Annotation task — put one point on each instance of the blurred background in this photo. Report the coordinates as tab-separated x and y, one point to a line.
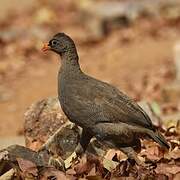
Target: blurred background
132	44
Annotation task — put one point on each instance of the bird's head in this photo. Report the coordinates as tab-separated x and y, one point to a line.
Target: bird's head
60	43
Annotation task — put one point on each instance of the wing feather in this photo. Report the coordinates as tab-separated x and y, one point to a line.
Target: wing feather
102	102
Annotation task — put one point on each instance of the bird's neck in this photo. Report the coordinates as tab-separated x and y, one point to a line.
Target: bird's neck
70	62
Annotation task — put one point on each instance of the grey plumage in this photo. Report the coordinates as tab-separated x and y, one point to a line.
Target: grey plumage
99	108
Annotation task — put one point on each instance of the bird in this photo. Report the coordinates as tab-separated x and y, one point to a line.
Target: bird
100	109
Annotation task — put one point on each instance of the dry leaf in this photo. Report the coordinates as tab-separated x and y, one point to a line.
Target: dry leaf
153	152
177	176
167	169
92	172
69	161
110	154
174	154
84	167
51	173
109	164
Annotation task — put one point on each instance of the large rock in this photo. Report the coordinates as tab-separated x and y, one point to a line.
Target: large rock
42	120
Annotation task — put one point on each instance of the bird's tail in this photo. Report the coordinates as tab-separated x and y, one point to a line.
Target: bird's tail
159	138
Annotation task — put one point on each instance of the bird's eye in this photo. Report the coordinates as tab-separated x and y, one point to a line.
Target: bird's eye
53	42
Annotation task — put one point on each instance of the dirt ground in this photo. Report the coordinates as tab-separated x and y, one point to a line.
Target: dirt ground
123	58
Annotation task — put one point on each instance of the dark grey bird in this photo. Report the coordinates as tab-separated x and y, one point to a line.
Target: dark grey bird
99	108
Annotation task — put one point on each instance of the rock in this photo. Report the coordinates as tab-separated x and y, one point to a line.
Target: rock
42	120
13	152
25	162
64	140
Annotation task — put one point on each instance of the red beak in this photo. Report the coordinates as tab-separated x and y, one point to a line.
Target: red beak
45	47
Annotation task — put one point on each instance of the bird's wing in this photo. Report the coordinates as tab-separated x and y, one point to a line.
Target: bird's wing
107	103
125	109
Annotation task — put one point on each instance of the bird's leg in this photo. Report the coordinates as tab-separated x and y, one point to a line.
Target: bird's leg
84	141
132	155
80	149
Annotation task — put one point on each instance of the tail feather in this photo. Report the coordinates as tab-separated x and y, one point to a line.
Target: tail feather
159	138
